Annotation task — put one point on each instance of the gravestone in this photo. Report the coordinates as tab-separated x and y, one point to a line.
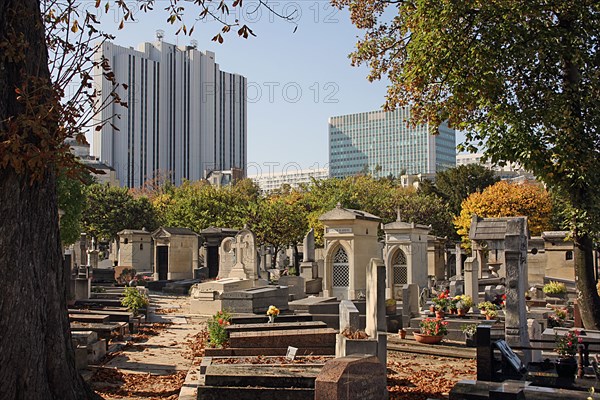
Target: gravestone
350	321
246	257
352	378
309	269
349	315
515	312
410	301
534	330
295	285
376	324
457	287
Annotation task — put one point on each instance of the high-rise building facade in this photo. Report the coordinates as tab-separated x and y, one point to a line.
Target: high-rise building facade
184	117
383	144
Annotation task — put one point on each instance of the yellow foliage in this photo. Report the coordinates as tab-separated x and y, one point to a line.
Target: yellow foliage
504	199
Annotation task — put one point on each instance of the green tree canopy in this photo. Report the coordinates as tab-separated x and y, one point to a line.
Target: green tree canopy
456	184
112	209
71	200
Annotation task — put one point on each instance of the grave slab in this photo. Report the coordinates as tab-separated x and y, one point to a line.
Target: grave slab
352	378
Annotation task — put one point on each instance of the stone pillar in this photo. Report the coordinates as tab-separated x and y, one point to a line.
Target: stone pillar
458	250
375	312
515	254
472	280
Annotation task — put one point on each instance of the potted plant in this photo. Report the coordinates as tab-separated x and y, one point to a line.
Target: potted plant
441	303
555	289
432	330
558	318
470	331
272	312
488	309
390	306
464	302
566	347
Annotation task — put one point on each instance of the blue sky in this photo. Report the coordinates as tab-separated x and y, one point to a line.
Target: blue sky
296	80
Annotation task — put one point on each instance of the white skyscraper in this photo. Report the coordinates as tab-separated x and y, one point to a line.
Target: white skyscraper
184	117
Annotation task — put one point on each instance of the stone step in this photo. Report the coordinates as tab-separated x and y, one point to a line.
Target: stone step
268	351
321	337
257	319
254	393
281	376
277	326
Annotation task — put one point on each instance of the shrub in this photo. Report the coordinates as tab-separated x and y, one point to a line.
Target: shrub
216	328
134	299
433	327
554	287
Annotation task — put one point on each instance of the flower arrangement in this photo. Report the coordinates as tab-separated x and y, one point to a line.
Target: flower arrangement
273	311
488	308
442	301
433	327
469	329
216	328
566	346
463	301
554	287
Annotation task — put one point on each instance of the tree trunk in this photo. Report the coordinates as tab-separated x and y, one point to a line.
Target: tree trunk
36	355
587	294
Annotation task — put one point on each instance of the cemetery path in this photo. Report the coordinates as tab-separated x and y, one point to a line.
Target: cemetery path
153	365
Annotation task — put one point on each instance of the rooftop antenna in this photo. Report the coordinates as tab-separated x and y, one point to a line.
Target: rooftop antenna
194	44
160	34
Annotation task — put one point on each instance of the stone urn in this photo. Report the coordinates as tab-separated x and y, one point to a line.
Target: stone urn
427	339
272	319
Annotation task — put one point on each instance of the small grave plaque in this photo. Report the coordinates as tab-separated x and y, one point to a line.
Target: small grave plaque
291	353
509	355
352	378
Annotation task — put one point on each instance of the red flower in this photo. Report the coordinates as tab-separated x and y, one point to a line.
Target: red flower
220	321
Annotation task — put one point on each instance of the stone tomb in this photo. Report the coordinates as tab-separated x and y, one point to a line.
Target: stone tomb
206	298
295	285
350	242
352	378
256	300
